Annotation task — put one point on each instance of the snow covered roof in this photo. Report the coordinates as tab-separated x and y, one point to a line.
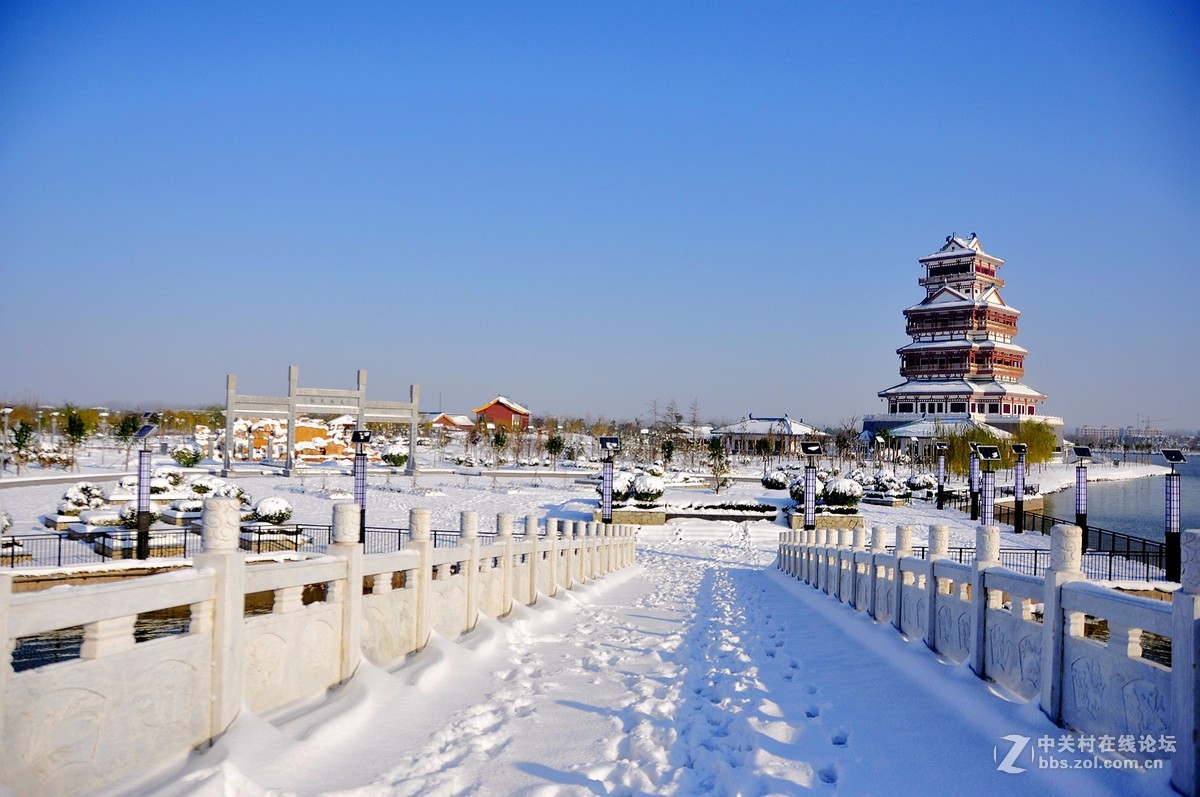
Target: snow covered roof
343	420
932	428
962	387
507	402
961	247
766	426
453	420
962	343
949	298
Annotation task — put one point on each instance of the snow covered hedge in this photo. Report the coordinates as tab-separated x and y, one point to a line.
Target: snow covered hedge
647	487
218	488
775	480
395	455
187	455
172	476
5	522
188	505
922	481
81	496
844	493
129	515
796	489
622	485
273	509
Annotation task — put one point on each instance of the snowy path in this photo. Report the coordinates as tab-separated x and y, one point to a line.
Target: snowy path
703	672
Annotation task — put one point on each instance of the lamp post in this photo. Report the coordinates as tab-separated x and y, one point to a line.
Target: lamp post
1173	563
360	438
988	456
812	450
1084	455
7	411
143	490
54	428
974	481
1019	488
941	474
609	446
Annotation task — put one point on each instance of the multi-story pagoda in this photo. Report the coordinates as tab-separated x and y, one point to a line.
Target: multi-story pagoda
962	363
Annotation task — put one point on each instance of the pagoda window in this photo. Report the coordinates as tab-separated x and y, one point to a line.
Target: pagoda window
892	408
1032	409
993	408
906	406
958	406
940	405
1007	409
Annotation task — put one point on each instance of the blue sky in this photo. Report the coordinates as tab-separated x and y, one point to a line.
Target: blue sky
590	206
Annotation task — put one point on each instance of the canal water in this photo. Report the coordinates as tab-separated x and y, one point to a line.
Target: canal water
1137	507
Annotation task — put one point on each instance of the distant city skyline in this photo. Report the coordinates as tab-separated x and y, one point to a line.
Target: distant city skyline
587	208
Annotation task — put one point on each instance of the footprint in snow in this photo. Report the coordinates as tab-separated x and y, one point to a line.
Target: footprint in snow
828	774
840	738
812	712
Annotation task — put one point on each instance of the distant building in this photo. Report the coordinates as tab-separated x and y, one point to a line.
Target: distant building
452	423
504	413
962	363
781	435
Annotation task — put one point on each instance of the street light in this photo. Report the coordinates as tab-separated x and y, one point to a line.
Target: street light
360	438
7	411
973	483
988	456
812	450
1084	456
609	446
1019	488
941	473
54	428
1173	563
143	491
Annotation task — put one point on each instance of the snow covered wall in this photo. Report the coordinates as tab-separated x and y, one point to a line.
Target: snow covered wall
124	707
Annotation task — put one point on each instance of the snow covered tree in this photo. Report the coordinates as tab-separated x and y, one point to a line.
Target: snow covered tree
554	447
718	462
22	443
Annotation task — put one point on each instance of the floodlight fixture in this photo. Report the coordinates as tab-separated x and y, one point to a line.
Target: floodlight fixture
941	446
810	448
360	436
974	447
1020	448
1083	452
610	443
146	430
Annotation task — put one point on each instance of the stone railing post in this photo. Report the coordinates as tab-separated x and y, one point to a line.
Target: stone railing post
939	548
532	555
420	541
878	548
220	526
1185	667
903	580
987	554
349	593
1066	557
468	526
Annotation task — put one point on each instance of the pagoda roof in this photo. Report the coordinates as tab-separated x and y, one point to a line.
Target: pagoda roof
950	298
935	427
964	387
962	343
956	247
766	426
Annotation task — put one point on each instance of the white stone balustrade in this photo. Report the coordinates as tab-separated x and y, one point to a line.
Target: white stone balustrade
124	708
1027	633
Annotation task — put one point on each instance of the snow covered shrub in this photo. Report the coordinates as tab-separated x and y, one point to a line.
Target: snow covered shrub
218	488
655	470
647	487
188	505
796	490
159	485
187	455
395	455
174	476
273	509
923	481
81	496
775	480
127	484
888	484
861	476
843	493
5	522
622	485
129	515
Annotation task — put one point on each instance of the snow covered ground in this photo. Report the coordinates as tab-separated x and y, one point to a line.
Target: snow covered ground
703	670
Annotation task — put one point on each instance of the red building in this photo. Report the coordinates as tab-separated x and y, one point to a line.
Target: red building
504	413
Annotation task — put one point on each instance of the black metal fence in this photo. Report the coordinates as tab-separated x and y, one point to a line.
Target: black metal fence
1103	565
56	550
